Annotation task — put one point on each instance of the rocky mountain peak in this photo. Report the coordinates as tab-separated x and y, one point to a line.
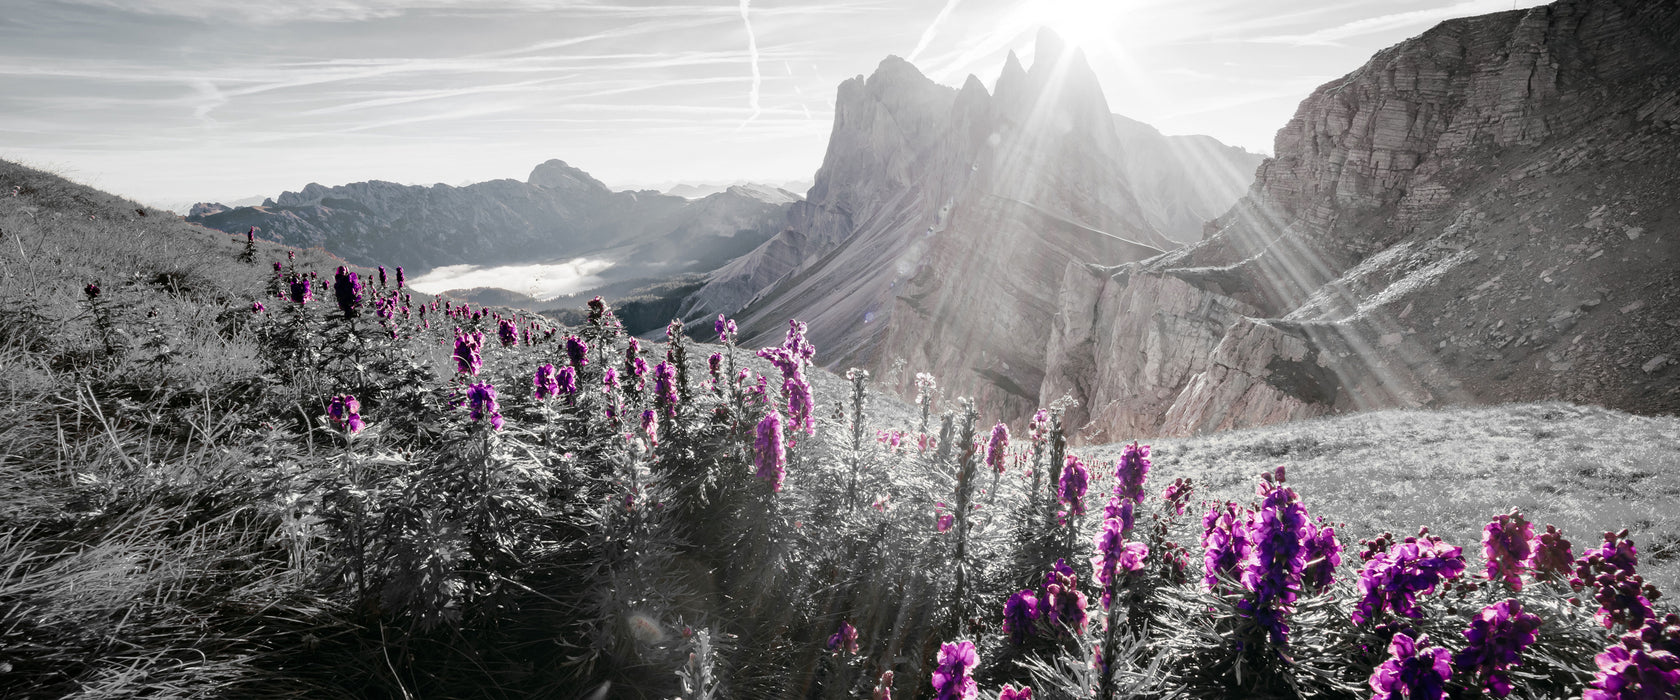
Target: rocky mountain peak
556	174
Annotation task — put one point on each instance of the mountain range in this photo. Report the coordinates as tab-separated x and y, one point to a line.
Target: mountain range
1482	213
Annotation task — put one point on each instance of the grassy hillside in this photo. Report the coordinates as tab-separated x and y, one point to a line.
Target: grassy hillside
349	497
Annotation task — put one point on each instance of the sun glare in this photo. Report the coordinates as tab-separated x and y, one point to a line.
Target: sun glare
1087	24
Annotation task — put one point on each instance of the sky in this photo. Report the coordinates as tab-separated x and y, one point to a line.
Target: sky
176	101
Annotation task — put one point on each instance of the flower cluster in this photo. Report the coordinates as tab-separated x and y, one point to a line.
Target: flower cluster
346	412
769	452
1177	494
1412	672
400	279
1224	542
1020	611
577	351
665	387
1497	637
299	286
1130	472
507	332
467	357
547	382
1115	557
1071	487
1064	604
1010	692
650	426
1508	544
883	687
1623	596
725	329
950	678
1324	554
1640	665
714	365
347	291
1273	570
997	447
791	357
844	640
482	397
1393	579
1554	558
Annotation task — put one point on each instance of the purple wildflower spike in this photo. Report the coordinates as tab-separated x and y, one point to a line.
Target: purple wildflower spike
998	447
769	452
1508	545
548	385
507	332
577	351
345	412
1020	612
1130	472
1074	480
482	397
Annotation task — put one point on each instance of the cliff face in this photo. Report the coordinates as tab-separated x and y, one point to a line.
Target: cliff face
1482	213
942	220
559	211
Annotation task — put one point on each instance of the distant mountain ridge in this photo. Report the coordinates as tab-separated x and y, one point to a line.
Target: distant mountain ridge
559	211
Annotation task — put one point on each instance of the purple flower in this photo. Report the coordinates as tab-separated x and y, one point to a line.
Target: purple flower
1411	673
714	364
1178	494
942	522
845	639
347	291
1497	636
1393	579
1224	541
345	412
769	453
1277	556
883	687
467	358
1115	557
399	277
791	358
665	387
1630	670
577	350
381	275
725	329
650	425
610	379
91	290
548	385
1324	554
1065	605
1508	544
1622	601
1075	478
300	288
507	332
1020	611
568	382
1010	692
1554	557
1122	510
257	307
997	447
1058	569
950	677
1130	472
482	397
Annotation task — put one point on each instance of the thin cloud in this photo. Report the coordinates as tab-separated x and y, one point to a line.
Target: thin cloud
752	55
933	28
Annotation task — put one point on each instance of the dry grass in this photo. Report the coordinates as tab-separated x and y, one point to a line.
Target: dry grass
1582	468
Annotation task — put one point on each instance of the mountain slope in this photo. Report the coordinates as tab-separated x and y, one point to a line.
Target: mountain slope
1482	213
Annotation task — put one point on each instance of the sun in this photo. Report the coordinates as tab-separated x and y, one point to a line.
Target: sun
1087	24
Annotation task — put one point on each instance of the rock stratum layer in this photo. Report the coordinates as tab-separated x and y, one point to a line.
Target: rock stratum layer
1486	212
941	221
558	212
